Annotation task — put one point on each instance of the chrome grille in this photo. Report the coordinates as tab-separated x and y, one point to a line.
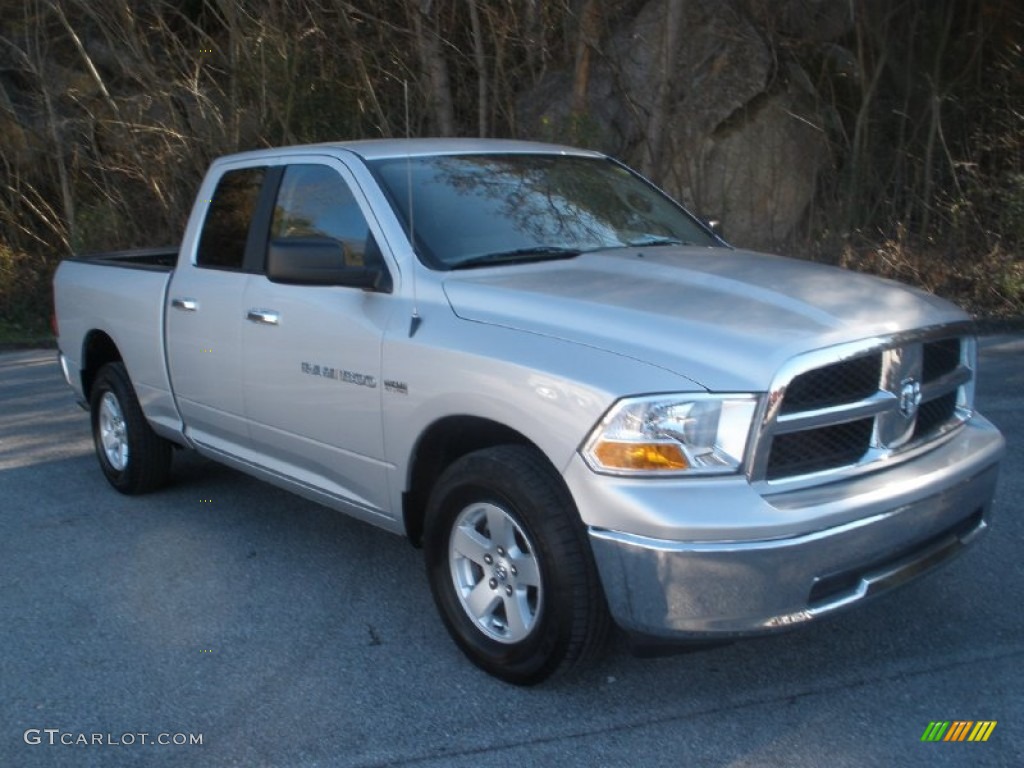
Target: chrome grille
817	450
834	384
933	415
843	409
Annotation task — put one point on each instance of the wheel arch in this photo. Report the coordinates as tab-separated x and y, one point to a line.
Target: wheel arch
98	349
443	442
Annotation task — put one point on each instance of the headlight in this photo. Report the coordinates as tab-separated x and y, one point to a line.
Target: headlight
672	434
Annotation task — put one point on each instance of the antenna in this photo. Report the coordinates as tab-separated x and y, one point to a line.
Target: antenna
415	320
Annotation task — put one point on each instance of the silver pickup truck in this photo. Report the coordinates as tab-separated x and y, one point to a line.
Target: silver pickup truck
582	403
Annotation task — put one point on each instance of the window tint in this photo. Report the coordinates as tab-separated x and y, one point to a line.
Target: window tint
222	242
314	202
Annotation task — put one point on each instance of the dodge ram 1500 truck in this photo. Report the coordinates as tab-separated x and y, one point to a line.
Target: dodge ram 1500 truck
584	405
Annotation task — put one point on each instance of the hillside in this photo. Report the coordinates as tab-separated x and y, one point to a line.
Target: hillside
885	136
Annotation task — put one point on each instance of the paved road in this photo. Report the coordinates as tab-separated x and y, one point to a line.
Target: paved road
287	635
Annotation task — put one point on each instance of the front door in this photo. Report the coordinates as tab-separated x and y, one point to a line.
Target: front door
312	354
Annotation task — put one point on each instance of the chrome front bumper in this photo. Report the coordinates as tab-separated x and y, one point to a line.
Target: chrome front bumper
701	589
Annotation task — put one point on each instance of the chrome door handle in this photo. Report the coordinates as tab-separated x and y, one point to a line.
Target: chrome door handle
265	316
186	305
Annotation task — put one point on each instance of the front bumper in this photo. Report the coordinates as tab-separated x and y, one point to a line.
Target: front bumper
880	531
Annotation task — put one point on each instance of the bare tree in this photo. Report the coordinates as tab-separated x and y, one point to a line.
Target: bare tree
428	39
586	44
666	74
481	67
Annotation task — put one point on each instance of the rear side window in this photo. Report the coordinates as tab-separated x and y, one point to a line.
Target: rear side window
315	202
226	229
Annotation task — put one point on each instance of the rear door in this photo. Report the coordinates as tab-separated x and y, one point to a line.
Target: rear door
204	313
311	355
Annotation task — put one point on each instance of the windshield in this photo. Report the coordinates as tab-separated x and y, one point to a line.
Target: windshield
476	210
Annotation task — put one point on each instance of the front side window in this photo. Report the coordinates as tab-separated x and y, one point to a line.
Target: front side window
226	228
315	202
473	210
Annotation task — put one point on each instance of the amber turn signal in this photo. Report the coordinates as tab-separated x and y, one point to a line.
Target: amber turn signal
640	456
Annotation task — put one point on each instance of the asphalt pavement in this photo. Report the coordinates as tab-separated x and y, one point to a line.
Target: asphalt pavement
223	622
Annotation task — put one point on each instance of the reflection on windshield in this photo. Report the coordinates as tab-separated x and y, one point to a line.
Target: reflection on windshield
480	209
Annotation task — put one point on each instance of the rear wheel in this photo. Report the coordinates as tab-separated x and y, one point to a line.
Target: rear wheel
510	567
134	459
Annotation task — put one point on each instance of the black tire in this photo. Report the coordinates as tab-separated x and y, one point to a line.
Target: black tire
134	459
534	629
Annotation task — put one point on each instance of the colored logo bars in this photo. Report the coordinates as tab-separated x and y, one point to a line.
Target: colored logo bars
958	730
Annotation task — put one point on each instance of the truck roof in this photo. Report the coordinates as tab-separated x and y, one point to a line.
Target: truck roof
376	149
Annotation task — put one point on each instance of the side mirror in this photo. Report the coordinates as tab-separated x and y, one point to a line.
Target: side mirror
320	261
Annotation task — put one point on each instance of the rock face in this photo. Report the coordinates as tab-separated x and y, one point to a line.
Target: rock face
760	176
736	142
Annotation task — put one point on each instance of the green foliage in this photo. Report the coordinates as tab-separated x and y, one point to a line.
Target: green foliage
24	296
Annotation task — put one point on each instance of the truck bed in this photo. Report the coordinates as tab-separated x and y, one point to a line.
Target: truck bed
126	307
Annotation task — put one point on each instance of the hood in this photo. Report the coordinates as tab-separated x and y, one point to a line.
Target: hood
726	320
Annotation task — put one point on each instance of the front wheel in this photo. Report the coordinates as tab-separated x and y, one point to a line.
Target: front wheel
134	459
510	567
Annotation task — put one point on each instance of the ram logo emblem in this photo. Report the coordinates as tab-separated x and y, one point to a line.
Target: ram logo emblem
910	398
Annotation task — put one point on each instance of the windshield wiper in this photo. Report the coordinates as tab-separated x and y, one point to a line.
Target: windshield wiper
649	240
518	256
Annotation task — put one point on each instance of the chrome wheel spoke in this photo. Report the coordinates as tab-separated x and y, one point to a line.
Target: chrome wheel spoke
500	527
518	615
481	602
466	541
527	572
